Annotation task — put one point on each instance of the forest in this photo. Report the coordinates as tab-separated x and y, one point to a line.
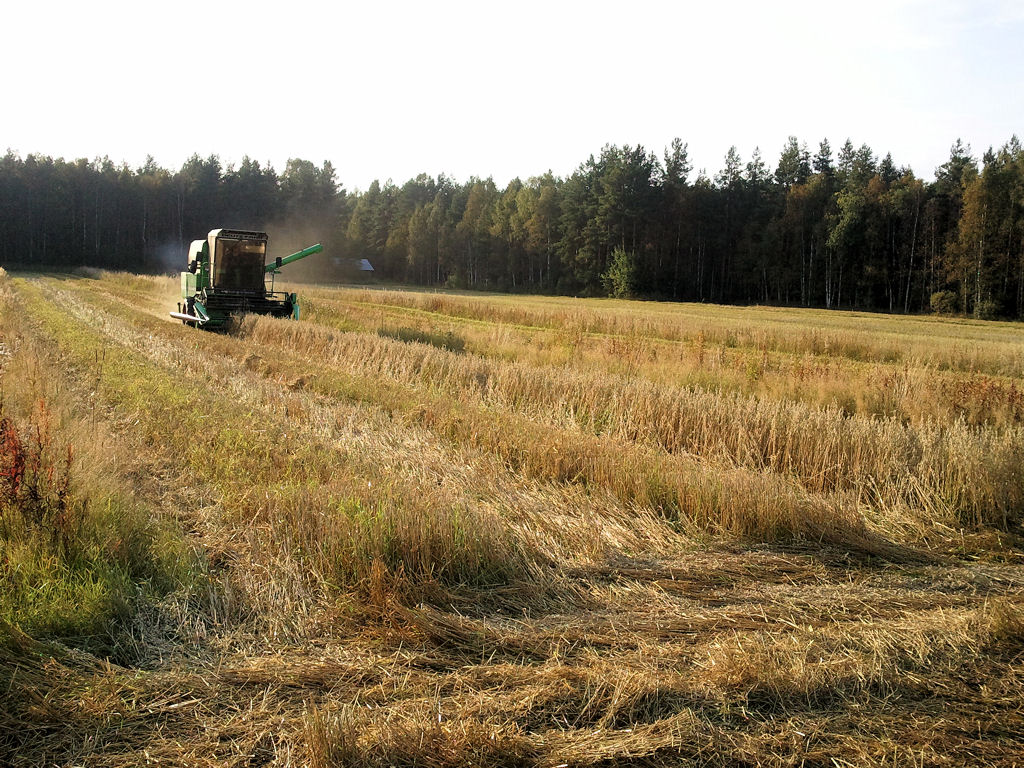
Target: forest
833	229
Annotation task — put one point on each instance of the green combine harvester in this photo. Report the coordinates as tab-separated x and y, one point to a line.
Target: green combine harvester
227	275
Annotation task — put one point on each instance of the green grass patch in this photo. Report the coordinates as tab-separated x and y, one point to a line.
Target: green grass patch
72	562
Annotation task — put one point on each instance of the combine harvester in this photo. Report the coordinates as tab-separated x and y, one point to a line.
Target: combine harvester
227	276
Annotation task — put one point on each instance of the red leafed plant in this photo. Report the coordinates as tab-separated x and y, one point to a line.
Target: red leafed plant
33	483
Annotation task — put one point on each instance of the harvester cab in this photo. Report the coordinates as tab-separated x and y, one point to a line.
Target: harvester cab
227	275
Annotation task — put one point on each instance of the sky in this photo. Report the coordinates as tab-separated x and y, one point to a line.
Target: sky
388	90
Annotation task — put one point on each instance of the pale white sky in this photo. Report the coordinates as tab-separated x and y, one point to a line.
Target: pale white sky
392	89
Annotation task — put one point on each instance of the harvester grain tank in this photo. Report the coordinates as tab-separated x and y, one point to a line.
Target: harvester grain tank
227	275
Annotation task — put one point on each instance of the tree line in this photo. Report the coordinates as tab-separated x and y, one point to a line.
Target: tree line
828	229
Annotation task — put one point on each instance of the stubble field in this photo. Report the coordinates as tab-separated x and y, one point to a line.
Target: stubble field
421	529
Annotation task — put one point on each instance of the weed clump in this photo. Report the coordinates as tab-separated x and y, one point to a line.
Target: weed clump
70	563
35	487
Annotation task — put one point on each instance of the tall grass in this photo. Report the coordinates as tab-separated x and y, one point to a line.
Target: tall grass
961	346
912	391
744	502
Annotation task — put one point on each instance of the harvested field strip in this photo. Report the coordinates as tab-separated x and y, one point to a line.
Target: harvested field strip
956	474
730	500
743	691
77	551
400	526
361	432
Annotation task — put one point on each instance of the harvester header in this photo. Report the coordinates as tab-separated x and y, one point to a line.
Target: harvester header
226	276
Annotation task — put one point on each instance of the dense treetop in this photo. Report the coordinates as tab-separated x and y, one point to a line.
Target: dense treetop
824	228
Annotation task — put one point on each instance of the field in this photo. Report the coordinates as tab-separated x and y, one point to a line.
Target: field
437	529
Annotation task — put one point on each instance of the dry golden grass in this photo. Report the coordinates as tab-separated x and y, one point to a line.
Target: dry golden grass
445	530
956	345
909	383
964	473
